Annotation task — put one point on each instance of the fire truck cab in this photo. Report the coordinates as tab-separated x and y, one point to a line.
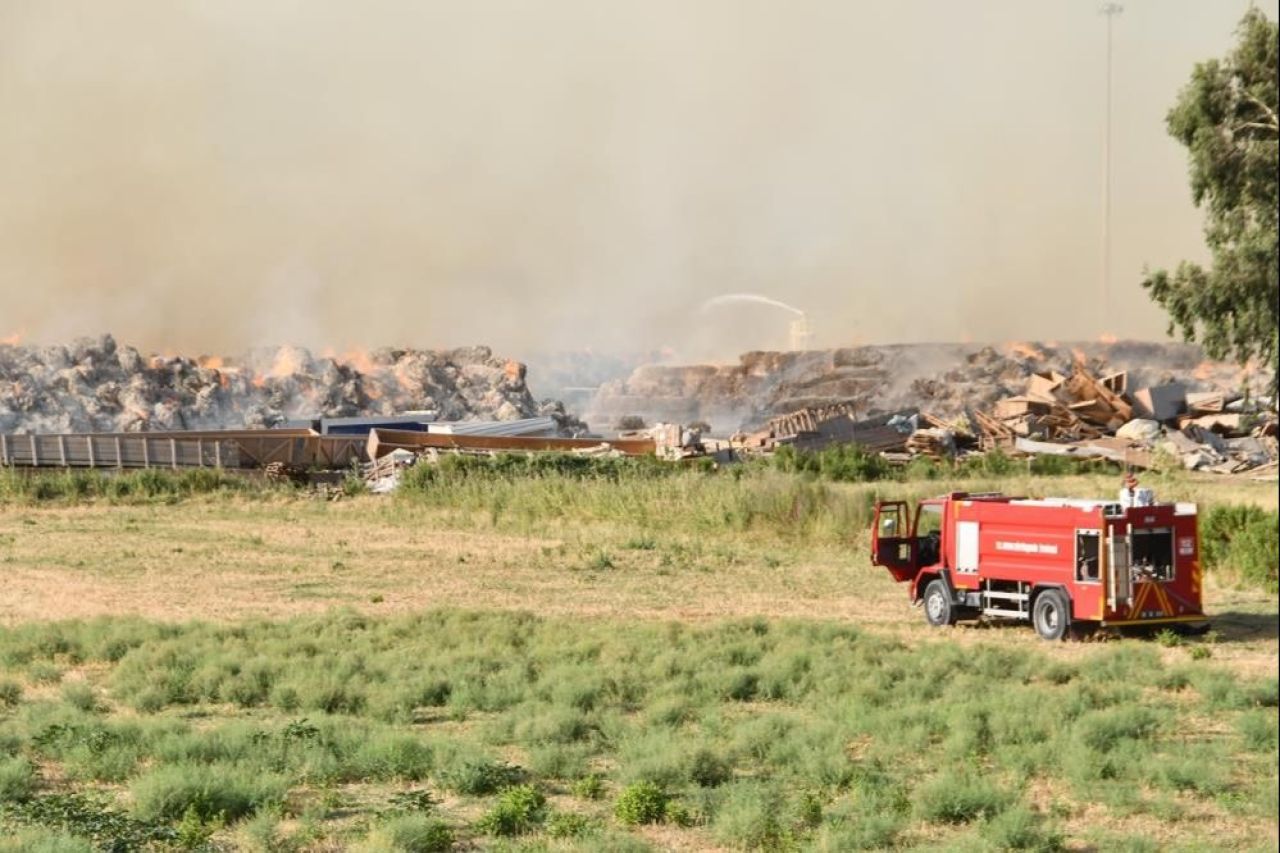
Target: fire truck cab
1057	562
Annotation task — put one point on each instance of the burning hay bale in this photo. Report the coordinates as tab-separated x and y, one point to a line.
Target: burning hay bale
97	386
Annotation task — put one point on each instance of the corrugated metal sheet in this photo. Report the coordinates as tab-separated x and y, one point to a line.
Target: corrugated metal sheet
362	425
524	426
383	441
136	450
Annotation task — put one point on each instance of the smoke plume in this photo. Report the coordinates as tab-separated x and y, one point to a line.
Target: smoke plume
210	176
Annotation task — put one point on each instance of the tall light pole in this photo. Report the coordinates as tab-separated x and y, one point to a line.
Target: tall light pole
1110	10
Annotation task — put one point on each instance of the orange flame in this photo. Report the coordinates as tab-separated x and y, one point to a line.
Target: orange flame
1204	370
13	340
1107	338
286	363
359	359
212	362
1025	350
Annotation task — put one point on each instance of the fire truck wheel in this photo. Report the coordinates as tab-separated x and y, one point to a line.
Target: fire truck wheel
937	604
1051	614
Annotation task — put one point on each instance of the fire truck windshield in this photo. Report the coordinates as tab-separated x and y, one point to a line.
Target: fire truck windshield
929	533
929	519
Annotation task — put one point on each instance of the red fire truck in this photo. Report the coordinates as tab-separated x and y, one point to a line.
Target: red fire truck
1057	562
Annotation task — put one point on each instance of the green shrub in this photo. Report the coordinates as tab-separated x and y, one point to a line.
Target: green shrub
81	696
640	803
10	693
741	685
1241	539
589	787
475	775
412	833
1200	652
17	779
42	672
92	817
1258	729
453	470
1104	730
212	792
193	832
417	800
994	463
570	825
869	832
128	486
353	485
1194	768
41	840
707	769
678	814
957	797
387	755
849	463
560	761
519	810
262	833
750	817
1019	828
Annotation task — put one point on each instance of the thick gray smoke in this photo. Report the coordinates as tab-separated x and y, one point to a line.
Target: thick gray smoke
208	176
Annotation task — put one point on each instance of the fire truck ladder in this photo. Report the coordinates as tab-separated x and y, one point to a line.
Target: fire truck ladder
1013	604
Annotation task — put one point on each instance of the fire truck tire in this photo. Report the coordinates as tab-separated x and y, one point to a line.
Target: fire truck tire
1051	614
937	604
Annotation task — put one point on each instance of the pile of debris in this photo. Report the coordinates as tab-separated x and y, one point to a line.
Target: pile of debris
899	436
97	386
1080	414
1086	415
945	379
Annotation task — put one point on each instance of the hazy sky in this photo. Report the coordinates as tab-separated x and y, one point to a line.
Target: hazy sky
204	176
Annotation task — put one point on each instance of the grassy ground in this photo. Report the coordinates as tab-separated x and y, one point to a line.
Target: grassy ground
714	654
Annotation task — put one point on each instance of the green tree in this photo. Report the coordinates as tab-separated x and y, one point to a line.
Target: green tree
1226	117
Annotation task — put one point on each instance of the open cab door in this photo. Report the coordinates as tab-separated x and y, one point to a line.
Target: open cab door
892	544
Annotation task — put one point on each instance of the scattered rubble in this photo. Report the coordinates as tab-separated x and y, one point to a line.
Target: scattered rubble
1090	416
96	385
1080	415
944	379
1131	403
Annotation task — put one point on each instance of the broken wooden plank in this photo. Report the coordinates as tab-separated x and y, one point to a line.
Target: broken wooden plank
1205	402
1012	407
1047	385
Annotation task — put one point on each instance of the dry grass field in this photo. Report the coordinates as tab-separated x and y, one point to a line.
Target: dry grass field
616	567
226	557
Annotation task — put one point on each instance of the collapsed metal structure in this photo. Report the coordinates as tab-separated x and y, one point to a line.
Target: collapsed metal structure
295	448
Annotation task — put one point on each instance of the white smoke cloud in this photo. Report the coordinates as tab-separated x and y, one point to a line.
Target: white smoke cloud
208	176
